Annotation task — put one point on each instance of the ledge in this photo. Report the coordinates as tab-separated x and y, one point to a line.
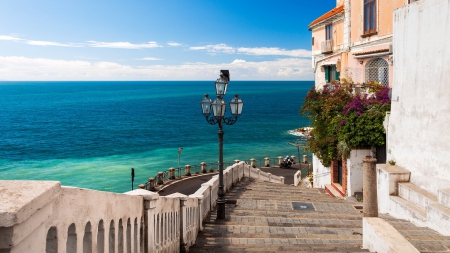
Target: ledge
21	199
380	236
368	34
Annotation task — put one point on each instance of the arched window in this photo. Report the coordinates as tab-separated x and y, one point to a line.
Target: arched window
71	244
377	70
51	245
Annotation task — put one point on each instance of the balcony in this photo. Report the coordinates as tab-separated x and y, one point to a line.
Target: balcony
327	46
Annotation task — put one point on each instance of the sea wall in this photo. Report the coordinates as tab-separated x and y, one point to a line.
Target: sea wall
420	113
43	216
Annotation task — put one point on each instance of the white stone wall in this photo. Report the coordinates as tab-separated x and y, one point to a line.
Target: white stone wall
418	136
321	174
355	170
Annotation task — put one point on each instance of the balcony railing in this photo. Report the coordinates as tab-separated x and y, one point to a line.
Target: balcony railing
327	46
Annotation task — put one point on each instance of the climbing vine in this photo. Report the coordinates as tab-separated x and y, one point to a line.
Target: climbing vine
339	114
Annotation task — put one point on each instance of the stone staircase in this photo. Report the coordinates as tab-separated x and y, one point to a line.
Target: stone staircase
269	217
422	238
422	207
335	190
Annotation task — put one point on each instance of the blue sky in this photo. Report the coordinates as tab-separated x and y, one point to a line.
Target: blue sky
156	39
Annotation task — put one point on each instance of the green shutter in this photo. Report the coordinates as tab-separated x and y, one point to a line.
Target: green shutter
327	78
338	74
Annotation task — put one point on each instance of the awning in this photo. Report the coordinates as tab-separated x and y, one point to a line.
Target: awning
326	63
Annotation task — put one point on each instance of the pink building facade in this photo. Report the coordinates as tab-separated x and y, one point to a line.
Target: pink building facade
353	42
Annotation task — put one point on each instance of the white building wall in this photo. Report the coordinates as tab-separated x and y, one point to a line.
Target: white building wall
321	174
355	170
418	135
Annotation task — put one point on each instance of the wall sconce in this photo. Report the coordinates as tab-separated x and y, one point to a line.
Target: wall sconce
361	62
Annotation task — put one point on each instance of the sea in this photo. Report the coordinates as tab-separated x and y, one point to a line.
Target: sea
90	134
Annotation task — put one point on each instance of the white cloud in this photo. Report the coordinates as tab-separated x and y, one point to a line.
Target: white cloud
6	37
150	59
50	43
22	68
174	44
219	48
238	61
123	45
273	51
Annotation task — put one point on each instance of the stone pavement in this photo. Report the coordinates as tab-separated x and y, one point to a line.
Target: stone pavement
269	217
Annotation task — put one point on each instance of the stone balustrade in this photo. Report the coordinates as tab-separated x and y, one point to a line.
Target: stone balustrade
43	216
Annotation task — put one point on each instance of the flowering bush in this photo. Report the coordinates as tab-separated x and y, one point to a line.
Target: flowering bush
338	115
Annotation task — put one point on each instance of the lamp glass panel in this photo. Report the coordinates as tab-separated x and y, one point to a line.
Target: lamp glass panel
236	106
221	87
219	108
206	106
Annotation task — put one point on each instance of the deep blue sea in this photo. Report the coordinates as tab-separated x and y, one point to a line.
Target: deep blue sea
90	134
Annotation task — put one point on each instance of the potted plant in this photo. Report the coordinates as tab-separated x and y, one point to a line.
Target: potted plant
392	162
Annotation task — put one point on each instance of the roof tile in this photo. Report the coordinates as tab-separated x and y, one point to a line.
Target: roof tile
327	15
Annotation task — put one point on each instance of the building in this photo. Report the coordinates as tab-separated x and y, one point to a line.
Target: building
354	41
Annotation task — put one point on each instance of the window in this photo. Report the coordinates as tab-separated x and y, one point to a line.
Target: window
328	32
370	20
377	70
331	74
312	41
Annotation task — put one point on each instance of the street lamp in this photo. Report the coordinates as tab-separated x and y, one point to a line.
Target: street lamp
218	108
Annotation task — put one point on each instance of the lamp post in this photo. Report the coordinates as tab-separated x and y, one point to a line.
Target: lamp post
179	154
218	108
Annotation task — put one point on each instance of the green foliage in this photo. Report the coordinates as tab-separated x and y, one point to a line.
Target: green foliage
342	120
322	107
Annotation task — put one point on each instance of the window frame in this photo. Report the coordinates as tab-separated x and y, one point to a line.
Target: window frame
370	16
329	31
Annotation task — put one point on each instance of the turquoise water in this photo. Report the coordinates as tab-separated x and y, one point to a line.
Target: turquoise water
89	134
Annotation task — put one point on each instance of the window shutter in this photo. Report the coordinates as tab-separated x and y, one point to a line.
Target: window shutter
338	74
327	78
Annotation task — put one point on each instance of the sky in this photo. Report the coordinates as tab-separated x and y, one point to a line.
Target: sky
77	40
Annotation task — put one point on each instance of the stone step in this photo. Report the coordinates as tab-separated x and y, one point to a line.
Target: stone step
294	214
261	246
338	188
416	195
281	224
444	197
295	221
439	218
276	241
405	206
332	191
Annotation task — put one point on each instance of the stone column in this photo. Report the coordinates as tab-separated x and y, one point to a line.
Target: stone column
267	162
370	187
172	173
252	163
293	159
280	160
151	182
305	159
160	178
188	169
344	175
203	165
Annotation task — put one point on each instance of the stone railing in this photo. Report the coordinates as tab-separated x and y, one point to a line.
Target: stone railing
42	216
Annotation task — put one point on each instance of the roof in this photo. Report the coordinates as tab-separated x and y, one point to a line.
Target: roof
327	15
373	52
